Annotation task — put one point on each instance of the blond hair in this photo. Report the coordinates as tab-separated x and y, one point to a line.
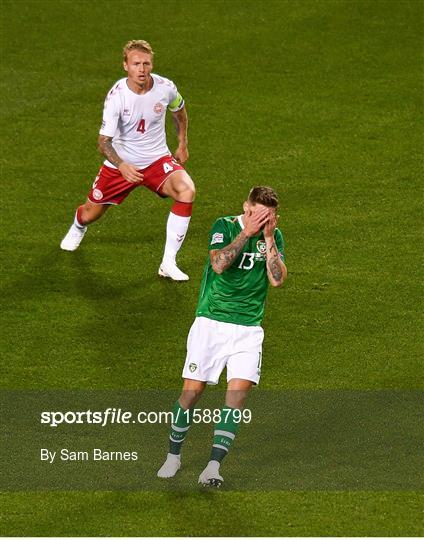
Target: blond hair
137	45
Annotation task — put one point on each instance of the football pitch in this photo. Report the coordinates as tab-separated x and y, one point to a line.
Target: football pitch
320	99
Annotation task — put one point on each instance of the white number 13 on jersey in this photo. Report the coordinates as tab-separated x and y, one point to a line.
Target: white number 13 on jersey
247	264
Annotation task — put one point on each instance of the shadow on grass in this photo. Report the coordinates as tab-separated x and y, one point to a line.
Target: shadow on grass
105	317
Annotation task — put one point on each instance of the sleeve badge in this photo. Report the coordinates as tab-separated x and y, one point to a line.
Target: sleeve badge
217	238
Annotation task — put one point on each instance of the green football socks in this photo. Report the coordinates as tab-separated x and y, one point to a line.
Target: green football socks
224	433
181	421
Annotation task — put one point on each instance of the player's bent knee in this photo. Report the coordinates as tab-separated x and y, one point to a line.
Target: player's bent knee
191	393
186	196
235	403
181	187
187	191
189	398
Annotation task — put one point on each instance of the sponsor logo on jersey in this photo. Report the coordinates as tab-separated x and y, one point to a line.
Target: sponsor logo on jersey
261	246
217	238
127	112
158	108
192	367
97	194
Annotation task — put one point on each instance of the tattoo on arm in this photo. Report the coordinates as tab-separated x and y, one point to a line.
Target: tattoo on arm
106	148
181	122
273	263
222	259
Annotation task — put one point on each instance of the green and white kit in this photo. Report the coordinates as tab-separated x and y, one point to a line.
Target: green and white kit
227	331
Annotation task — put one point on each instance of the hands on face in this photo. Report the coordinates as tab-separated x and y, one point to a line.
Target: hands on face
256	220
271	224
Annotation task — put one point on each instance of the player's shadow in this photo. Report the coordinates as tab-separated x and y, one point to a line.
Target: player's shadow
129	315
117	322
132	331
52	274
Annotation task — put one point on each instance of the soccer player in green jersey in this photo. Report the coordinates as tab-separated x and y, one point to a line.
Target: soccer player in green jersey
246	254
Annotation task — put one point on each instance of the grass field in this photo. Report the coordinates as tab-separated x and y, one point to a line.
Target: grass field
320	99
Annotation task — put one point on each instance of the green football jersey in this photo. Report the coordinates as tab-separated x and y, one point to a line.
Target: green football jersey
238	294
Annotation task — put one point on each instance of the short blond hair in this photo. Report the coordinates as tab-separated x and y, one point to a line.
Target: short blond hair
137	45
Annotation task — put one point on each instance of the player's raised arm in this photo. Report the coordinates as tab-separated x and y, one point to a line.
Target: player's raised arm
180	119
276	269
221	259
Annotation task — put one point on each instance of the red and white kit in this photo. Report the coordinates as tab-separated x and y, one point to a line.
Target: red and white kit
136	122
111	188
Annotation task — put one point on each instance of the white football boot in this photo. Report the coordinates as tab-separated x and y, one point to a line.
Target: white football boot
73	238
210	477
169	269
171	466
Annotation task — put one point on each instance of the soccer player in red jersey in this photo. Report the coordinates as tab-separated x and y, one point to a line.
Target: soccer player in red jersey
133	140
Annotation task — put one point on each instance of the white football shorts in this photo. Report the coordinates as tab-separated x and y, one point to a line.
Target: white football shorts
212	345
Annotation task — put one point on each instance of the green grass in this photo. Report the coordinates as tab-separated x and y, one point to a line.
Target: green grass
213	514
320	99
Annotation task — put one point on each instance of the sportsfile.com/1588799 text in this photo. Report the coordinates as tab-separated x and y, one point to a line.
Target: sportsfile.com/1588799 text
113	415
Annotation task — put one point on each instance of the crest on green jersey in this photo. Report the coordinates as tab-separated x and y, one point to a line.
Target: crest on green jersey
261	246
192	367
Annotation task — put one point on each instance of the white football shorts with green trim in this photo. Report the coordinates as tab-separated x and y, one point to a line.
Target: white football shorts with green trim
213	345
